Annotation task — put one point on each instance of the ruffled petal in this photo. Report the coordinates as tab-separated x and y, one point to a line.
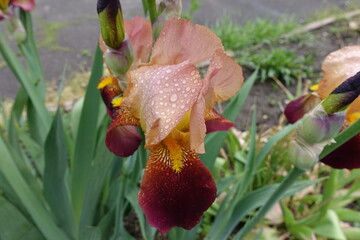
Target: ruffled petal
197	126
297	108
139	32
169	198
160	96
337	67
216	122
181	40
223	79
26	5
346	156
122	140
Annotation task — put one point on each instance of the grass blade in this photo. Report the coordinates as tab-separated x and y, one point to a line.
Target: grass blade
86	137
55	187
41	217
14	225
20	73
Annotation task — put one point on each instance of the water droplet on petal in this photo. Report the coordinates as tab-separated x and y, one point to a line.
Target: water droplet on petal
188	89
173	97
182	106
168	70
173	105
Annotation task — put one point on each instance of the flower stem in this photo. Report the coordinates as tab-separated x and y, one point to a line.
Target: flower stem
152	10
274	198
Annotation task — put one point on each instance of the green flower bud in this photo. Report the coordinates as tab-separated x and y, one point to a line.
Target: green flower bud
119	61
318	126
166	9
16	29
343	95
304	155
111	22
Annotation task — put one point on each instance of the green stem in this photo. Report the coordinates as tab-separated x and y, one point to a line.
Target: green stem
18	70
274	198
152	10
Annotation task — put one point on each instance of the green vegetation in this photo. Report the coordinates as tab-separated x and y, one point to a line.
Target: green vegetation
260	44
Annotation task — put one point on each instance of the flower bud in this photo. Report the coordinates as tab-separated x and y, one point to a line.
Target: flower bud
343	95
16	29
304	155
318	126
119	61
167	9
111	22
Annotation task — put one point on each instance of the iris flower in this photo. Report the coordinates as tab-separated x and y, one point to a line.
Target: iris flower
337	67
174	106
26	5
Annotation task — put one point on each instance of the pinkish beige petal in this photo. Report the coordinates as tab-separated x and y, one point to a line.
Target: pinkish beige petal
337	67
27	5
160	96
181	40
223	79
139	32
197	126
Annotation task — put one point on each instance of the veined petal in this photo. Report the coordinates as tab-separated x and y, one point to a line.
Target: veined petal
26	5
139	33
297	108
170	198
122	140
160	96
216	122
223	79
346	156
337	67
181	40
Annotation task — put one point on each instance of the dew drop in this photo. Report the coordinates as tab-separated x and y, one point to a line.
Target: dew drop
161	91
168	71
188	89
173	97
182	106
173	105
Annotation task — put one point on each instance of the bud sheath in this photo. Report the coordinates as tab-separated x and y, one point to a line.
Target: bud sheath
111	22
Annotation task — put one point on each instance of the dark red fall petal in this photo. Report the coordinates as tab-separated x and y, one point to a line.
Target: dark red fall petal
122	140
171	199
346	156
216	122
297	108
